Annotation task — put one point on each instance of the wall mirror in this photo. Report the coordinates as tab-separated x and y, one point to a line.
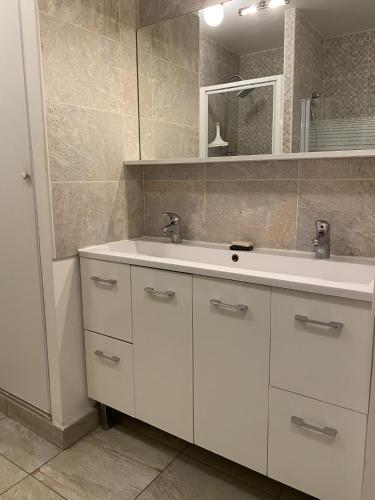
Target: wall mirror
258	77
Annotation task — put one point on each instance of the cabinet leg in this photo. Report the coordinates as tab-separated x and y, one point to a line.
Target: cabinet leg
105	416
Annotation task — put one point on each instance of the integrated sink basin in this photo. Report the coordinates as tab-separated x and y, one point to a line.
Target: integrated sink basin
344	277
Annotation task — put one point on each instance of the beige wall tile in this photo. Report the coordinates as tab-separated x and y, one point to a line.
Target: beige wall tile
130	80
84	144
191	172
261	211
147	139
145	85
152	11
100	16
175	94
184	197
135	208
131	138
174	141
345	168
287	169
88	213
350	208
177	41
80	67
128	22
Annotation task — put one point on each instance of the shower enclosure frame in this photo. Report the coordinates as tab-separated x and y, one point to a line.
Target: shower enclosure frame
275	81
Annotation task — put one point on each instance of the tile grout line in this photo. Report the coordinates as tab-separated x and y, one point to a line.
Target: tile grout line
161	472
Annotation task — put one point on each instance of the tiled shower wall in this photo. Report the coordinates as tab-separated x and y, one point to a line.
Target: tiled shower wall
349	76
90	89
273	203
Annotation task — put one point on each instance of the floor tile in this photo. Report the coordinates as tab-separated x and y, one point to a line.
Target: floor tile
30	489
2	415
26	449
10	474
236	471
291	494
187	479
114	464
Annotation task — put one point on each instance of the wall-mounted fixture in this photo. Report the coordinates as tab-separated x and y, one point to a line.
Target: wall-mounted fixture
214	15
263	4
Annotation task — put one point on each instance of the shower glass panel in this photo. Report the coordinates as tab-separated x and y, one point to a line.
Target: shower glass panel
241	118
324	130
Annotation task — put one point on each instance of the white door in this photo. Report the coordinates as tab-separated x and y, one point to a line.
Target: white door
23	356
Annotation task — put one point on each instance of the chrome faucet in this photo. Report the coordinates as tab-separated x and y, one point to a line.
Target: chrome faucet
174	228
322	241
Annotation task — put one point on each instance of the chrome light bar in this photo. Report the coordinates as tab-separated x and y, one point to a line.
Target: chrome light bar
263	4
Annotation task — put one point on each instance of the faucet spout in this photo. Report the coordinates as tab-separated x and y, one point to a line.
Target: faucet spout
174	228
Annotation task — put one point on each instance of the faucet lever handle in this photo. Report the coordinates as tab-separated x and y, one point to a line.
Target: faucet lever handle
173	217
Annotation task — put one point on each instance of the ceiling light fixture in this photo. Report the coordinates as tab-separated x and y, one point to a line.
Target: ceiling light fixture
263	4
214	15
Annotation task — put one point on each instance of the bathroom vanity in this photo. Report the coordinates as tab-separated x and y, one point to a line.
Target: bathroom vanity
261	357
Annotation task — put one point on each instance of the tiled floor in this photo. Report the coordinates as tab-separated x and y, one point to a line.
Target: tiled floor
127	462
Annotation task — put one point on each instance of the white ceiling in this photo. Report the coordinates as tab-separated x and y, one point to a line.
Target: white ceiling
265	30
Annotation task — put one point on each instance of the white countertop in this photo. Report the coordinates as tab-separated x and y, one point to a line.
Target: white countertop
338	276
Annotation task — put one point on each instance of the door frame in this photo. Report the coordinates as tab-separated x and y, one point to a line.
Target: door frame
275	81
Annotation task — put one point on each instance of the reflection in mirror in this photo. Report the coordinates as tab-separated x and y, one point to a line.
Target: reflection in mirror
249	78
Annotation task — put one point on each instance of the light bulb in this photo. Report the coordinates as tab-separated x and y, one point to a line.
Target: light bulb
214	15
276	3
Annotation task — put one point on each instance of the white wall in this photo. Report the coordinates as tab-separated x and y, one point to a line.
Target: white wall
69	341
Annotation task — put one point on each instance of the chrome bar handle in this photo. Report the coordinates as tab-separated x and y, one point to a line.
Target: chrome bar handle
167	293
97	279
100	354
330	324
219	303
328	431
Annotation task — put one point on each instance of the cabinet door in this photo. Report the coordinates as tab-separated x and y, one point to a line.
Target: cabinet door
107	298
162	322
231	369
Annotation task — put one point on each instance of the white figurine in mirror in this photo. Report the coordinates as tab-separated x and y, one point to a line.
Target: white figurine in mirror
218	141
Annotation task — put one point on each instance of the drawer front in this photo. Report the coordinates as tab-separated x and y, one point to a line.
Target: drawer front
110	374
231	369
162	315
314	460
106	298
327	363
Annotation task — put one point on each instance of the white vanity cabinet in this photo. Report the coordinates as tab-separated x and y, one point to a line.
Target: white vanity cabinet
163	349
231	369
276	380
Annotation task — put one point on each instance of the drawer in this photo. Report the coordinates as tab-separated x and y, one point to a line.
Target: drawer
329	364
106	296
110	374
163	344
231	369
314	460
